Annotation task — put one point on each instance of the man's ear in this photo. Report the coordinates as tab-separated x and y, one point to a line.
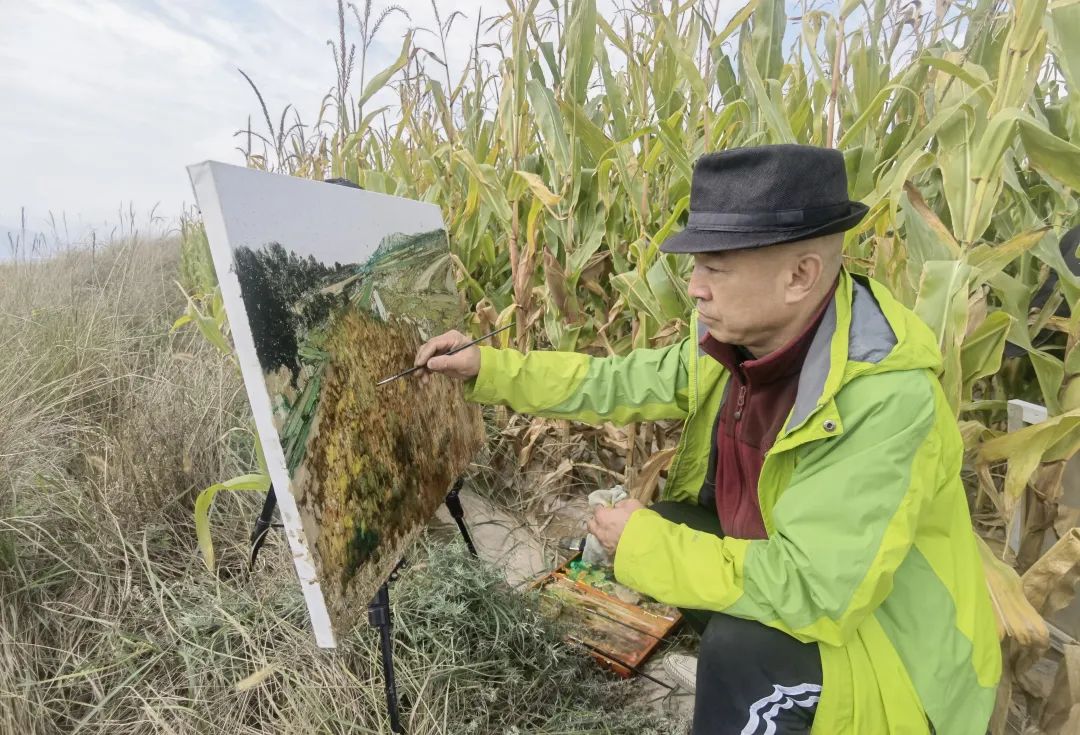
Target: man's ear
804	275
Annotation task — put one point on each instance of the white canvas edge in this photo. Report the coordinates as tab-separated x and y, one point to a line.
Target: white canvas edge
202	182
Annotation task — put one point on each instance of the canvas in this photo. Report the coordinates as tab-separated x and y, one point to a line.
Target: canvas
328	289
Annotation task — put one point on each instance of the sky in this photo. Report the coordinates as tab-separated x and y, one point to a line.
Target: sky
104	102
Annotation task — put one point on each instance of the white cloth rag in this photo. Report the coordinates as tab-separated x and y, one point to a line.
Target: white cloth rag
594	553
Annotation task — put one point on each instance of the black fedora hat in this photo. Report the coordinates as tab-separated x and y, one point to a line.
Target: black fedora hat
765	195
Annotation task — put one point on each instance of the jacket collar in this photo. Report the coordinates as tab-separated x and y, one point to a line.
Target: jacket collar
855	336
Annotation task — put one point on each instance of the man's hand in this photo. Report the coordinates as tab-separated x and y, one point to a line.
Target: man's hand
462	366
607	524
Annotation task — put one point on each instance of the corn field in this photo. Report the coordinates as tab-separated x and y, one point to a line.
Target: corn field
564	164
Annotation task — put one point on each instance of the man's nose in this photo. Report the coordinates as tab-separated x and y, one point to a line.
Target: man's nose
696	288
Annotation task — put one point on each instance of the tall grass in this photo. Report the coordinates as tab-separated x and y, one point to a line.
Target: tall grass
110	623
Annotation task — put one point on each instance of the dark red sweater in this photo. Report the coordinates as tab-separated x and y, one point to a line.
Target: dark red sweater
760	395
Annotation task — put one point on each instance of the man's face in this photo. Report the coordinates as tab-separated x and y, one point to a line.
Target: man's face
740	294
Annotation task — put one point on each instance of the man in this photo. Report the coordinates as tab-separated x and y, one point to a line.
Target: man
813	514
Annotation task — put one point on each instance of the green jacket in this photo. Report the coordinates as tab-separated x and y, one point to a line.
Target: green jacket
870	550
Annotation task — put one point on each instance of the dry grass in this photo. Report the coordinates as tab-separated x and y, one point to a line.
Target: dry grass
109	623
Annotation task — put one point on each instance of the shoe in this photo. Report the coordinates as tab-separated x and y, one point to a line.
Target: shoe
682	669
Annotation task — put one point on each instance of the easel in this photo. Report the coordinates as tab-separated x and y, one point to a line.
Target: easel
379	607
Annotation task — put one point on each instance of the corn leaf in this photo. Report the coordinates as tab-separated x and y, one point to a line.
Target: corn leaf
549	120
1016	617
767	30
1050	373
254	481
981	352
380	79
668	290
740	17
1050	154
581	36
943	285
638	295
988	260
1053	440
539	188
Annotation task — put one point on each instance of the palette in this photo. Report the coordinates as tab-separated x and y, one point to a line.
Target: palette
620	635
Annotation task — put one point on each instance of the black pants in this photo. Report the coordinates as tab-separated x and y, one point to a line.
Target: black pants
751	679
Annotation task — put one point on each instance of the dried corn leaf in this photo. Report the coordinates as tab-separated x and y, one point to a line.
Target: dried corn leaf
537	428
1056	439
1016	617
1062	711
552	478
1050	583
648	479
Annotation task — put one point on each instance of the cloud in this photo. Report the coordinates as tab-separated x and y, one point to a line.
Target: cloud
112	98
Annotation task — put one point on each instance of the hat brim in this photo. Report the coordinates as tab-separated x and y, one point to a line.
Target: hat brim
692	240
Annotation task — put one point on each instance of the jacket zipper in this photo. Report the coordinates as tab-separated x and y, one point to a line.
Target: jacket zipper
739	403
736	432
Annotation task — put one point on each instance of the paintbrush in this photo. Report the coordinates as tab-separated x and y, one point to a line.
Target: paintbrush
414	368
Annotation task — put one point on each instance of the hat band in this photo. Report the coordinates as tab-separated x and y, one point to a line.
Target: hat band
780	218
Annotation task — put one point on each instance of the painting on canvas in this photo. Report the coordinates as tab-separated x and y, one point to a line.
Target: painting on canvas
329	289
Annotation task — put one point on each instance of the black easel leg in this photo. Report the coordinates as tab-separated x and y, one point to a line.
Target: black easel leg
379	617
262	525
453	504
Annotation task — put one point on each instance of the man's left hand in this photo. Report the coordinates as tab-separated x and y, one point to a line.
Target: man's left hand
607	524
